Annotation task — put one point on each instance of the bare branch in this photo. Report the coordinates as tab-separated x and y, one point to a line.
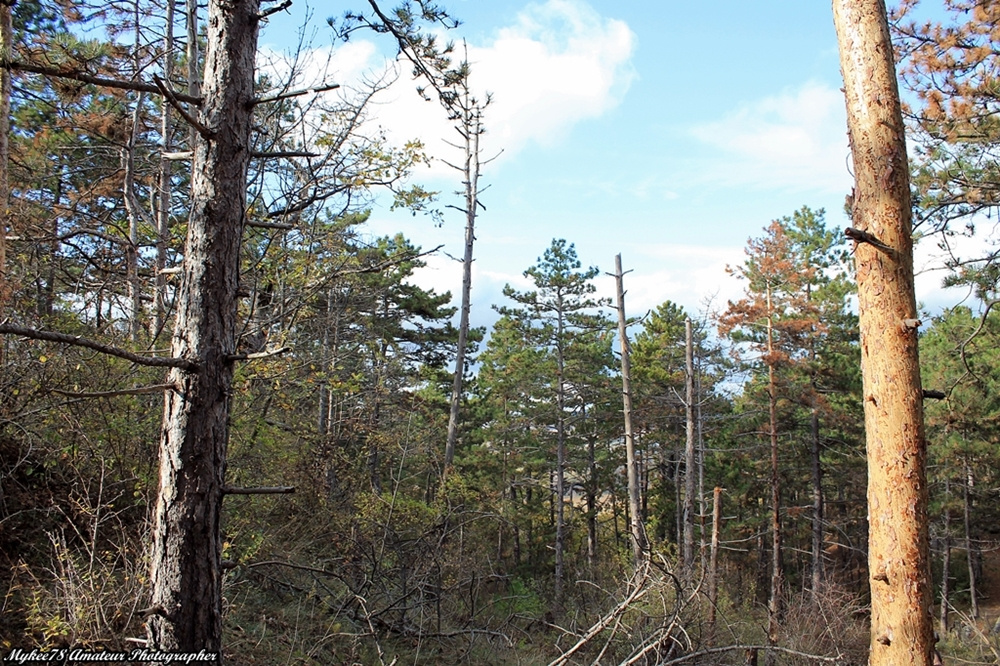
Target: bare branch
83	77
79	341
258	355
154	388
296	93
860	236
286	153
274	10
175	100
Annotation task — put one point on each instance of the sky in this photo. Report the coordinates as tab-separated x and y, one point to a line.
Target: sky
669	132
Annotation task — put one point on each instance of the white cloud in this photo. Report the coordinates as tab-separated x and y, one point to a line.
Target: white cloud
795	140
558	63
693	276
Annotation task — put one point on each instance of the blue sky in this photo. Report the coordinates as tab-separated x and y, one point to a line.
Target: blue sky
669	132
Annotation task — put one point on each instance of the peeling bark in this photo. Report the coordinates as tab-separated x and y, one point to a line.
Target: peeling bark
898	550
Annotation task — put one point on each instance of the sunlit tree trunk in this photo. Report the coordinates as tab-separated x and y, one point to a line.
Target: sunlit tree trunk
164	186
470	130
639	544
186	573
690	463
898	549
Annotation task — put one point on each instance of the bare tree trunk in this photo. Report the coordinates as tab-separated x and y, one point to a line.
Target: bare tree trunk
6	37
186	575
164	186
713	566
945	568
134	214
591	503
817	514
471	129
639	545
690	464
774	605
898	549
560	498
970	551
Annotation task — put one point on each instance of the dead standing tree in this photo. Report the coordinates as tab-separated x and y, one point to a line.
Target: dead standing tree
898	551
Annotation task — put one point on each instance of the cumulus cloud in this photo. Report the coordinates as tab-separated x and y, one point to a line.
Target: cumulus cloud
693	276
796	140
557	63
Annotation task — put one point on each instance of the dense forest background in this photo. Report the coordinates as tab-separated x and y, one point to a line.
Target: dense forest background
350	533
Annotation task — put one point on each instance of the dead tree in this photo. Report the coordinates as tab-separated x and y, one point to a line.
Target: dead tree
898	549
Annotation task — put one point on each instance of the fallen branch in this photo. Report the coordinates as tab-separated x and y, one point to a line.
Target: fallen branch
639	590
735	648
262	490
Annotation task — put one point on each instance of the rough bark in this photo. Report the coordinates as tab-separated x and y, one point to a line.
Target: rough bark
186	573
898	549
639	545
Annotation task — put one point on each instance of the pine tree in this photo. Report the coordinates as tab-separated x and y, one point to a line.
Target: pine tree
559	313
773	322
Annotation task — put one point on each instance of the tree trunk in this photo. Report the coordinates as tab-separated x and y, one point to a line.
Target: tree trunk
6	37
713	566
689	458
134	215
560	503
774	605
817	493
970	549
164	187
945	571
898	550
470	131
186	574
591	503
639	545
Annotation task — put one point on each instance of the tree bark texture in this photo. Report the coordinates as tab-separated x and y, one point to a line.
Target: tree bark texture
898	549
186	573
